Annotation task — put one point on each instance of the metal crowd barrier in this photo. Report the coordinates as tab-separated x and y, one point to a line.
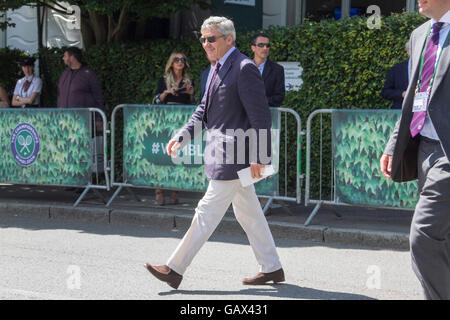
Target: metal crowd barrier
127	177
53	147
298	154
100	156
359	136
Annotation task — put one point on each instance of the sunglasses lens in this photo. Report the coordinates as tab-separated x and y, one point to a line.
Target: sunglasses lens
262	45
179	59
210	39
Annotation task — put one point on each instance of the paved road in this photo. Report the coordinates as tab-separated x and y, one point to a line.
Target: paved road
61	259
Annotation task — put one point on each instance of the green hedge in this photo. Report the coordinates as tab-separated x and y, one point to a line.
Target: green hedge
344	66
10	71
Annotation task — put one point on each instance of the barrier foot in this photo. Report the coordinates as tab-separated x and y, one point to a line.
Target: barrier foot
313	213
267	206
82	196
336	213
285	208
114	196
99	195
133	194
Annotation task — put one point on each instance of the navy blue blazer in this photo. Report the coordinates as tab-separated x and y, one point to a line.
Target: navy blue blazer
273	76
396	82
238	101
203	80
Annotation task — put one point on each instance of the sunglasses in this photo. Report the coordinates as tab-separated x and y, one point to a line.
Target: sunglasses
262	45
176	59
211	39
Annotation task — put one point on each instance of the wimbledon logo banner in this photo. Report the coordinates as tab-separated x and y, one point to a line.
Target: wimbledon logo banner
147	130
25	144
45	146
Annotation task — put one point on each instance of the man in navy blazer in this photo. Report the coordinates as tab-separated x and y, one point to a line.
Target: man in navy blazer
206	75
272	73
397	82
204	79
234	106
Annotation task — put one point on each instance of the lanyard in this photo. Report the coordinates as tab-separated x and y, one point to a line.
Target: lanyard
423	58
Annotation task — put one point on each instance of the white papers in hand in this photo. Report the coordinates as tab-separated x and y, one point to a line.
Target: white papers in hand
245	175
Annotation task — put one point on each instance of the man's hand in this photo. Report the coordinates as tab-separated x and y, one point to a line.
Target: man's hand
256	170
386	165
172	148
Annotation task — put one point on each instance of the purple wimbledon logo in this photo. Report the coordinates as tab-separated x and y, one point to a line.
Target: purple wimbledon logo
25	144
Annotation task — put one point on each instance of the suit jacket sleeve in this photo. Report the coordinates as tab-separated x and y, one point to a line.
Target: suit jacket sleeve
389	149
203	80
251	92
390	146
276	99
194	126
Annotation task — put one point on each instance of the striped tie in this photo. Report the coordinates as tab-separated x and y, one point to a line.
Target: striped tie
211	83
427	74
26	85
209	92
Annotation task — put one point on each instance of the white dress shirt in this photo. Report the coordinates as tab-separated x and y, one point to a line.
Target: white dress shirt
222	62
261	67
35	86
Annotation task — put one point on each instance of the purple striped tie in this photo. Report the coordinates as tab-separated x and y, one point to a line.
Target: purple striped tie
213	78
427	74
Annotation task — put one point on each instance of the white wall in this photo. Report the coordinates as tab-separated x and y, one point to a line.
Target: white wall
274	13
59	30
24	35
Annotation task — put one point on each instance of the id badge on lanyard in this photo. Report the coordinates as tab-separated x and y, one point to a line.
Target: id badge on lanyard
420	101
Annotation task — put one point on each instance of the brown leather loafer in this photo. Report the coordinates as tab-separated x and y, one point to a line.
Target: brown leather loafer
165	274
263	278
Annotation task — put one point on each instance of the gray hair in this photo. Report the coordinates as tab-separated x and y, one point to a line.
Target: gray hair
221	24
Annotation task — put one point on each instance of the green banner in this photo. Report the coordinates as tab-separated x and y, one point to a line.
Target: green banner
148	129
359	139
45	146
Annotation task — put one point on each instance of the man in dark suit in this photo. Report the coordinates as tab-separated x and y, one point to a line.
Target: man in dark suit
272	73
206	75
397	82
419	147
234	102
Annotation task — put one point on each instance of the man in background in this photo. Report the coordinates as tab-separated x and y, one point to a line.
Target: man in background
271	72
397	82
78	85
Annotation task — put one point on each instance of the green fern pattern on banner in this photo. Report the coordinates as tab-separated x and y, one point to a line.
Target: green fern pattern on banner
359	139
147	130
65	154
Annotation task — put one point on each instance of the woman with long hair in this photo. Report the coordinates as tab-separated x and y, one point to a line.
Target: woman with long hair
175	87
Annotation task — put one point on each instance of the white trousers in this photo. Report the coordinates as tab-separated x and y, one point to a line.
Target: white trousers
210	211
